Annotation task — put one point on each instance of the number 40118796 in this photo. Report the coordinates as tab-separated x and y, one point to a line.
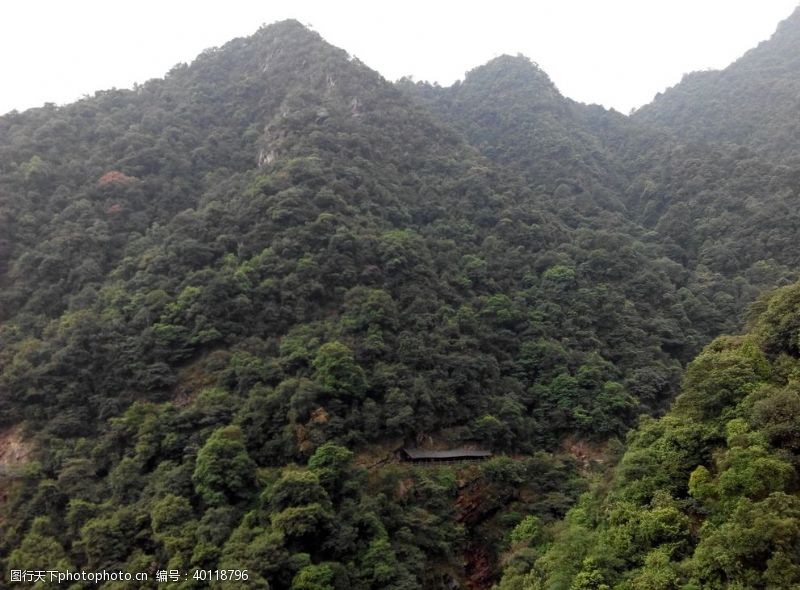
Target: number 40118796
221	575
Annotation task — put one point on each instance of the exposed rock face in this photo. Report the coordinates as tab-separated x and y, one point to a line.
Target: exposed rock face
14	451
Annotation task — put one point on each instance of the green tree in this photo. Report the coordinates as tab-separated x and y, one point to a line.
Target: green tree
337	371
224	472
314	577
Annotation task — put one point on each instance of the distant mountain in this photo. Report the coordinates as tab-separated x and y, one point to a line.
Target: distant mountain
511	111
754	102
719	211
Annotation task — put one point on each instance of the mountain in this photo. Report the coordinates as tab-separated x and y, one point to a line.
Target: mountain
273	257
512	112
228	297
753	102
719	211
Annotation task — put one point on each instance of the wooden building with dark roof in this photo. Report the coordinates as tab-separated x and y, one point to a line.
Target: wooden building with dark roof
448	456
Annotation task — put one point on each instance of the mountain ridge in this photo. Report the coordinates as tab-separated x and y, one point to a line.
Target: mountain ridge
752	102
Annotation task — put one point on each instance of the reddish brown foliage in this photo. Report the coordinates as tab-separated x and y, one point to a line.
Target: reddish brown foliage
115	177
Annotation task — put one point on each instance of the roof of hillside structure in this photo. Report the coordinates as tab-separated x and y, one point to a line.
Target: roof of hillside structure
447	454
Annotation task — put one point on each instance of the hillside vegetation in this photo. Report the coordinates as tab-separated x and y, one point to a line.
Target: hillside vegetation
229	295
706	496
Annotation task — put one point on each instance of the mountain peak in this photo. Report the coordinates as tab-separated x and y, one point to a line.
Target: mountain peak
520	61
512	73
287	24
288	42
288	29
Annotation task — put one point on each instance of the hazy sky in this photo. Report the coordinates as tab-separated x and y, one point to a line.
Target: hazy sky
618	53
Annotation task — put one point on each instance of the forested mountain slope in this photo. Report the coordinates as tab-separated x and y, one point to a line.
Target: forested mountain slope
309	202
704	497
724	213
753	102
210	277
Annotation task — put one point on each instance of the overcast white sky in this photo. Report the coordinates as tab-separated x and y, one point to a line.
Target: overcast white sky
618	53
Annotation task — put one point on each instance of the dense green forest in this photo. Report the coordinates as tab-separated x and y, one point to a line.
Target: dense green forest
705	496
228	297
